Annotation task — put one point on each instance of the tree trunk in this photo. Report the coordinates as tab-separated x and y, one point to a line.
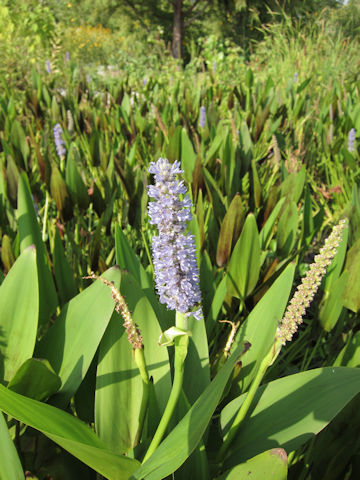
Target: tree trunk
177	29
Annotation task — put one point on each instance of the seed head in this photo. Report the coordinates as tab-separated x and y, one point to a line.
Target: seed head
310	283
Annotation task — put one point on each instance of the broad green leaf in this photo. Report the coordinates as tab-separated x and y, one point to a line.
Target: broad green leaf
216	304
351	295
126	259
58	189
63	274
18	139
74	181
156	357
270	464
29	233
35	379
214	192
173	150
244	265
331	303
70	344
19	310
118	385
350	353
68	432
184	438
287	228
197	369
267	230
260	326
188	156
11	468
118	390
290	410
293	185
229	230
334	270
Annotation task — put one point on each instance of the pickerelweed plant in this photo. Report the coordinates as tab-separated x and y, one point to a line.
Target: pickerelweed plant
176	270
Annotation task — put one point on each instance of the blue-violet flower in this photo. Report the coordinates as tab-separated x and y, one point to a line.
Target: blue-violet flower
202	120
48	66
59	141
351	140
175	265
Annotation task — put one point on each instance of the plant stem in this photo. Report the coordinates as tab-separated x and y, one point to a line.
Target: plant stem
267	360
45	217
140	362
181	347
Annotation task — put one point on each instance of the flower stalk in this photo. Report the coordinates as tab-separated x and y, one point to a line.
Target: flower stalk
289	324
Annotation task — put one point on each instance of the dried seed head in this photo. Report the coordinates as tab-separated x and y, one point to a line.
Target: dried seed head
132	330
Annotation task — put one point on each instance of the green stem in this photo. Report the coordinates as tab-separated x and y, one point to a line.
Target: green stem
267	360
140	362
45	217
181	347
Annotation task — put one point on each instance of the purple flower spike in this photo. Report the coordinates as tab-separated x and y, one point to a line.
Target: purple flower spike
48	66
351	140
202	121
59	141
214	66
296	76
176	270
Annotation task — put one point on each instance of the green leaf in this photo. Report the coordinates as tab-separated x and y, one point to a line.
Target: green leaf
35	379
127	260
334	270
118	390
29	233
350	353
287	228
68	432
74	181
351	295
118	384
331	304
70	344
197	369
184	438
63	274
268	228
260	326
19	309
290	410
270	464
293	185
188	156
244	265
11	468
230	230
18	139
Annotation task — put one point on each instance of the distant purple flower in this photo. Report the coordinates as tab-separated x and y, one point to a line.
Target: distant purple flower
176	270
59	141
67	57
202	120
351	140
88	78
48	66
145	81
296	76
214	66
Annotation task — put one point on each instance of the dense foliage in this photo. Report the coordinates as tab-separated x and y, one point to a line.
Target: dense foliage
268	141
